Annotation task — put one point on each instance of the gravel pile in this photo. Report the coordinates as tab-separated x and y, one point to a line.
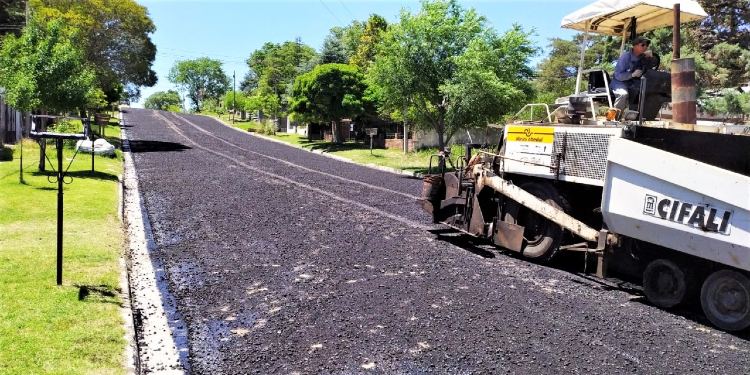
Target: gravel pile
284	261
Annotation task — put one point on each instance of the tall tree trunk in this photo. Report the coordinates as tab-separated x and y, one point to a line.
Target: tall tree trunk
335	132
441	134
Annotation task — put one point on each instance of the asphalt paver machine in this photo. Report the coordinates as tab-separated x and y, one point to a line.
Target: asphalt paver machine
665	201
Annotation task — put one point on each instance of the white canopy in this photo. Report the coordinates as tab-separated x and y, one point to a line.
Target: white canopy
612	17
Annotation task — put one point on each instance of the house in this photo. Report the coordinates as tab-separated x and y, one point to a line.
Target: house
12	123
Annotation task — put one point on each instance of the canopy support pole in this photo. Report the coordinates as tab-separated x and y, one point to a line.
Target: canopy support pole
624	37
583	54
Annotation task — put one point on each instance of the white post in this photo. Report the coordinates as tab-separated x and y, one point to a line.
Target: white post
583	54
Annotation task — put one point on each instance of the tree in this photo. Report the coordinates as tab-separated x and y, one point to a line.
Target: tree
202	79
164	100
450	70
557	73
235	100
368	41
341	43
45	69
330	92
728	21
273	68
115	35
332	51
732	62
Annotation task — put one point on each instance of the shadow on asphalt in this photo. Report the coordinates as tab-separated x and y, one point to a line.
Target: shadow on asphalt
156	146
465	242
576	264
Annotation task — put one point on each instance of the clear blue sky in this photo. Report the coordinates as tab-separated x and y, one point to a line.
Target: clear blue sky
230	30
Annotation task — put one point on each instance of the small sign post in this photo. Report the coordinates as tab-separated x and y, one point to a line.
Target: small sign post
371	132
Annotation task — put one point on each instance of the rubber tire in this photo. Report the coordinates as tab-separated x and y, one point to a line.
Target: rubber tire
714	283
661	273
544	248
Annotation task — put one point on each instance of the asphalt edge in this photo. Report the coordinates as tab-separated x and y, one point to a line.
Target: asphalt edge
159	334
323	153
130	359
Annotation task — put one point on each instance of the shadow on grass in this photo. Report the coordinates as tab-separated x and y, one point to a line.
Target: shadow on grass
98	293
156	146
77	174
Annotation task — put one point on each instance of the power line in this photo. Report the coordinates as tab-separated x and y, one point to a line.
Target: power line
331	12
347	9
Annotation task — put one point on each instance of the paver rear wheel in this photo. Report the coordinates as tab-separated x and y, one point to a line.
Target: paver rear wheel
665	283
725	298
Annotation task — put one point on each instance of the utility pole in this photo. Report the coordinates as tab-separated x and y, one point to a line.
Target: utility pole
234	96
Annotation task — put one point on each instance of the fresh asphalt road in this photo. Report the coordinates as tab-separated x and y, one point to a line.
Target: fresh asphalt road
284	261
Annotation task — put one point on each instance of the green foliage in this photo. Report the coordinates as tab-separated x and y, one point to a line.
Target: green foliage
164	100
329	92
96	100
267	127
273	69
368	41
730	103
341	43
268	104
450	70
44	68
732	64
214	106
66	126
556	74
202	79
728	21
115	35
235	99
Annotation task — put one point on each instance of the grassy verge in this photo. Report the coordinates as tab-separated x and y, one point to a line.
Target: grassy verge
417	161
75	328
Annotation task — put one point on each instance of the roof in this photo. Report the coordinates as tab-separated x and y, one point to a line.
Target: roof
611	17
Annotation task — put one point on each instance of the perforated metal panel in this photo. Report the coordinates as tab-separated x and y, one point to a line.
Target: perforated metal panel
582	155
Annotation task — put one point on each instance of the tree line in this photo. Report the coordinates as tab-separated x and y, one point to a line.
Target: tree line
441	68
74	55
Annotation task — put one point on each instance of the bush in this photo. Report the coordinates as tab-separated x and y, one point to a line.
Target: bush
65	126
267	127
6	153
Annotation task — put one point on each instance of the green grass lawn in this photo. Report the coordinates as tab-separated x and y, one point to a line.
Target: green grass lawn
417	161
76	328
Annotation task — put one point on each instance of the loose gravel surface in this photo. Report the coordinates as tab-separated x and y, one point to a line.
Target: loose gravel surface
284	261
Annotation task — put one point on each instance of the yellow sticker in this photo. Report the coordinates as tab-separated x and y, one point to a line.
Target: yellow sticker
539	134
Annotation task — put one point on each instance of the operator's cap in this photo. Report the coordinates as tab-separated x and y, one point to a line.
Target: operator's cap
641	39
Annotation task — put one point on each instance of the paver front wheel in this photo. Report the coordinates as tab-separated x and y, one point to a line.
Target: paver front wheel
541	236
725	298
